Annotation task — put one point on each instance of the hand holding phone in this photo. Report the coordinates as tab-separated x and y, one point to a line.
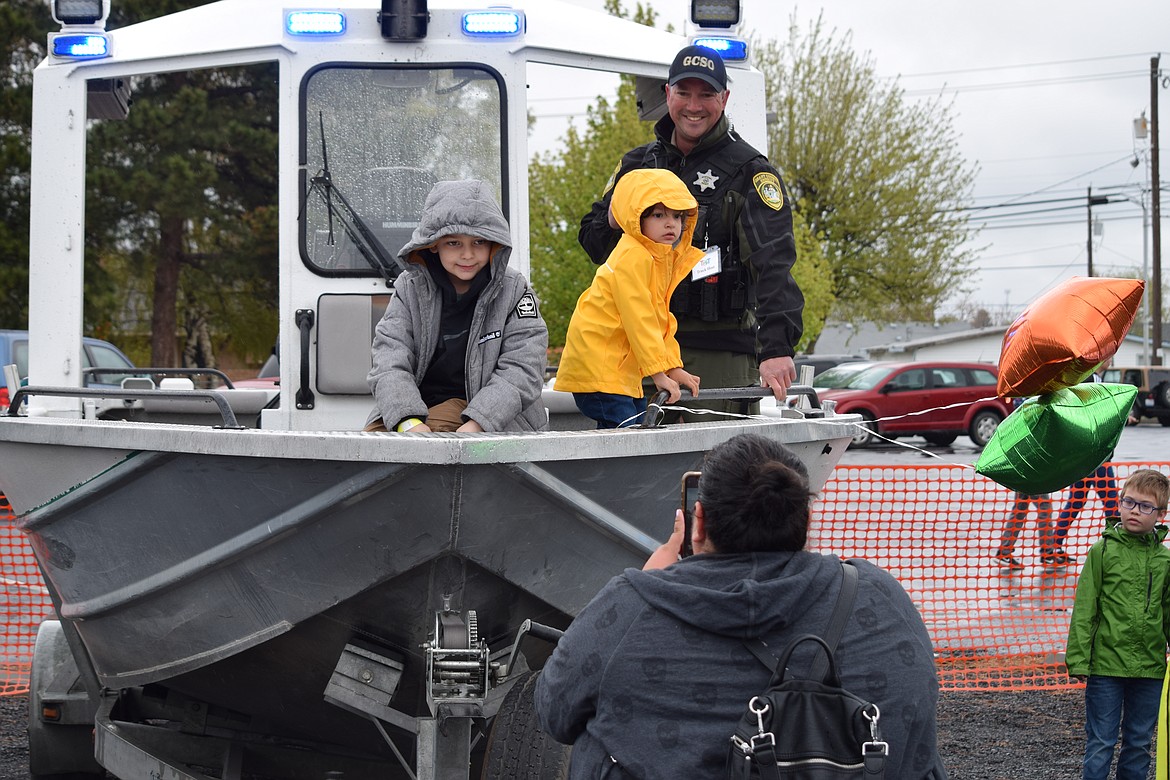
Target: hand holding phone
690	494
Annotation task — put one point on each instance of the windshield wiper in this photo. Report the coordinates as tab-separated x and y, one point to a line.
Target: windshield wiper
337	207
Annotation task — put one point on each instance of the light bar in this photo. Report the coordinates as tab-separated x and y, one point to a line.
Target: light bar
315	23
82	46
493	24
730	49
715	13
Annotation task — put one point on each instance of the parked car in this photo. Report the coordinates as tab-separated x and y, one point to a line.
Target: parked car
822	362
1153	384
95	353
939	401
835	378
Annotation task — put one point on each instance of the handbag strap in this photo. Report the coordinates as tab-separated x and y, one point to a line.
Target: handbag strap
842	611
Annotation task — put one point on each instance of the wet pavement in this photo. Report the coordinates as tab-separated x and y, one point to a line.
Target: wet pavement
936	530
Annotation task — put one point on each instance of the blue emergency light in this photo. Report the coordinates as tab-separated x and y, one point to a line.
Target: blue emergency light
81	46
493	24
315	23
730	49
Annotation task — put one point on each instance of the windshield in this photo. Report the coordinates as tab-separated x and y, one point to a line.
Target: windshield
837	375
868	379
375	140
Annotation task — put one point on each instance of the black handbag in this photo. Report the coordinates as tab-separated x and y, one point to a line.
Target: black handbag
809	728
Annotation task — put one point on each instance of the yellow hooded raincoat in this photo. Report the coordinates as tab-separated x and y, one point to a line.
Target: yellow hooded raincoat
622	329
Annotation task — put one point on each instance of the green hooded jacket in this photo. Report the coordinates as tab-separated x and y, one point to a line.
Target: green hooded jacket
1121	617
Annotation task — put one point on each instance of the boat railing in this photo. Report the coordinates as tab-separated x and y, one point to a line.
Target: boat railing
225	410
799	393
154	371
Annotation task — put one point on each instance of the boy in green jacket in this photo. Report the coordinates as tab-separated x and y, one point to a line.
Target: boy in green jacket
1120	628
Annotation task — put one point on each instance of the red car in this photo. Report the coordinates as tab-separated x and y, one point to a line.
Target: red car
938	401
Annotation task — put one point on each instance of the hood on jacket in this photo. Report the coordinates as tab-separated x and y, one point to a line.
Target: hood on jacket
1116	530
468	207
640	189
739	595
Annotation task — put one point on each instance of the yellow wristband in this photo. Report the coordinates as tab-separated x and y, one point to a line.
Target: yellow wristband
407	424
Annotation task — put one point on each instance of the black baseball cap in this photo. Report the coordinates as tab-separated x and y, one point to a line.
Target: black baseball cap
698	62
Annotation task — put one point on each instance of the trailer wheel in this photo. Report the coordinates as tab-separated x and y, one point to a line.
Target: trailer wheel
55	751
516	747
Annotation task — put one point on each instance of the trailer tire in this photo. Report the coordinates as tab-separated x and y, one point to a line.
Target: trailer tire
516	746
55	752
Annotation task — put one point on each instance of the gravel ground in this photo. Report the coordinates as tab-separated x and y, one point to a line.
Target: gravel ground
982	735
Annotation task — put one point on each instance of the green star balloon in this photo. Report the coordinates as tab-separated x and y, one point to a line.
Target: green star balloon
1053	440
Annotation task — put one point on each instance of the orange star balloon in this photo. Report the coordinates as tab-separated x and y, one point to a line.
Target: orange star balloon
1065	334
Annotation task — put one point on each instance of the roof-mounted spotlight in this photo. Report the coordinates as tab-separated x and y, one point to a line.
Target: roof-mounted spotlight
404	20
715	13
74	13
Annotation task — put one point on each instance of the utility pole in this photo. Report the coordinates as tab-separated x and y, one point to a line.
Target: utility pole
1156	219
1089	242
1090	202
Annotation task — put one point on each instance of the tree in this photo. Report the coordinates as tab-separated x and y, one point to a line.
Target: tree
562	187
879	180
181	212
24	25
182	207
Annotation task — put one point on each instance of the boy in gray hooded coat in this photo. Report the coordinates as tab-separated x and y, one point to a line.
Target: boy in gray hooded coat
462	345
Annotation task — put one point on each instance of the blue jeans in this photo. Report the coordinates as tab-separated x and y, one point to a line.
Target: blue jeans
609	409
1130	703
1104	482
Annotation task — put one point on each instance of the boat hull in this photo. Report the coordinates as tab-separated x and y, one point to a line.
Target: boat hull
235	566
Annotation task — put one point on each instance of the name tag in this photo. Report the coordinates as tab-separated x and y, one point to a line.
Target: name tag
710	265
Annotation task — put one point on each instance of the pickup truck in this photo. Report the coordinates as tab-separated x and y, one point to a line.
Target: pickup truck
1153	384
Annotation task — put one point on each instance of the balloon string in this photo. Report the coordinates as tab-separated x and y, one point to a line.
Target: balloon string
937	409
815	420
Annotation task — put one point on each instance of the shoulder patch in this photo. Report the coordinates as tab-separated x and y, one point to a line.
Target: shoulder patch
768	187
526	306
612	179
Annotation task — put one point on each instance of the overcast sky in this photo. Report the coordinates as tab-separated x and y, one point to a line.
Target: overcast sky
1045	95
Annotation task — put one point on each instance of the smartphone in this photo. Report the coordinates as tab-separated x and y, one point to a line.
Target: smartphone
690	494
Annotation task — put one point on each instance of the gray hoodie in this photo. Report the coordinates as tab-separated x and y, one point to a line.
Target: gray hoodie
652	677
508	342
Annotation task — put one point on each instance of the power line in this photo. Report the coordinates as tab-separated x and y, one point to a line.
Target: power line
1080	79
1057	184
1022	65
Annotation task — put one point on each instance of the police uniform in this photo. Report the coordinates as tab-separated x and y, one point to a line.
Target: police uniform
750	311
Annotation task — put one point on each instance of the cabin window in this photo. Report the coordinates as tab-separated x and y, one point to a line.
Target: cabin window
374	142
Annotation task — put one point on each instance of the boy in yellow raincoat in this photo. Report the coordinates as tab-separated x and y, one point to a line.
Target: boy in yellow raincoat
622	329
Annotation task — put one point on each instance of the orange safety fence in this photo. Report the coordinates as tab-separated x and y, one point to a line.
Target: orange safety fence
936	528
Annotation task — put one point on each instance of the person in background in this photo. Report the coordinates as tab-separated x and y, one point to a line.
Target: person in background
1120	629
462	346
622	328
1103	481
1006	554
652	676
740	311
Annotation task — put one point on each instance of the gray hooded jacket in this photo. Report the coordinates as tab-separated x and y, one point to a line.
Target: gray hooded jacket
508	343
652	676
